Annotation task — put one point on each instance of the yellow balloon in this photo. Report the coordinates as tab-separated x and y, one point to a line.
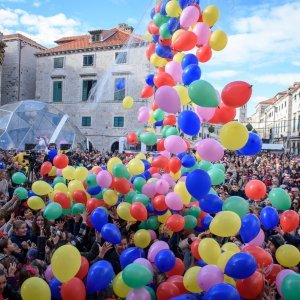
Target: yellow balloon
190	280
52	173
176	176
110	197
210	15
183	94
136	166
119	286
176	34
173	9
178	57
41	188
65	262
141	156
61	187
198	157
157	61
180	188
150	159
209	250
150	129
112	162
127	102
142	238
81	173
229	280
123	211
288	256
151	120
224	258
150	180
69	173
75	185
35	288
148	37
231	247
36	203
218	40
233	135
225	224
52	194
163	218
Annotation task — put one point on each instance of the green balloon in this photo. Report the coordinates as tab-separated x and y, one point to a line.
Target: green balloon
129	196
194	167
136	275
120	171
59	179
164	131
67	211
53	211
141	198
220	166
164	31
78	208
193	211
99	196
280	199
190	222
236	204
290	287
21	193
172	131
159	115
205	165
138	183
91	180
212	191
159	19
143	225
216	175
152	223
151	292
19	178
139	131
203	94
148	138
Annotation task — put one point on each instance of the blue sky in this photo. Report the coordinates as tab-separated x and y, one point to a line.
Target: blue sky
263	48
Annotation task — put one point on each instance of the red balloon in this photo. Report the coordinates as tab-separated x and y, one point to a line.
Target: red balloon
92	204
147	91
185	41
251	287
237	93
289	220
255	190
159	203
262	257
178	268
152	28
121	185
166	291
61	161
223	114
150	50
204	53
174	164
96	170
178	281
170	120
272	272
84	268
160	146
79	197
164	42
73	289
46	167
175	223
194	249
132	138
160	162
188	145
163	78
154	105
157	6
153	170
138	211
63	200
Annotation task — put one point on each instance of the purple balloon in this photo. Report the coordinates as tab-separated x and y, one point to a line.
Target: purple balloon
144	262
202	32
189	16
209	276
210	150
104	179
167	99
259	239
169	178
49	274
175	70
175	144
161	186
144	114
155	248
149	189
174	201
279	278
138	294
205	113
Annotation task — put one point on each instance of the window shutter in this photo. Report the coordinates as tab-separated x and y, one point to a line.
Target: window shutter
85	90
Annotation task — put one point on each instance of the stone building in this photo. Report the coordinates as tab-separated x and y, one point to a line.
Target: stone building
19	68
2	53
88	76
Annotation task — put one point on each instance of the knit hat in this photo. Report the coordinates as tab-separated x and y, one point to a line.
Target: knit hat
277	240
32	254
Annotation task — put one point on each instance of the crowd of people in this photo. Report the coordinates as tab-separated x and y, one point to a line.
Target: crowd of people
28	240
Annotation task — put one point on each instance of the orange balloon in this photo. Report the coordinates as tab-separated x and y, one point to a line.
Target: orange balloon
147	92
186	41
175	223
255	190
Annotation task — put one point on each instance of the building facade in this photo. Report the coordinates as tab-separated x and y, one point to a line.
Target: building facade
2	53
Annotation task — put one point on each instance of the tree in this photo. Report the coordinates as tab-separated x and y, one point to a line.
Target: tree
2	50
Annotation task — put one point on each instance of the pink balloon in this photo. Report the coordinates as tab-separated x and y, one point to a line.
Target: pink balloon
208	276
210	150
144	262
149	189
138	294
167	99
175	144
169	178
279	278
205	113
166	154
161	186
202	32
156	175
144	114
58	172
152	234
189	16
49	274
174	201
259	239
155	248
104	179
175	70
182	179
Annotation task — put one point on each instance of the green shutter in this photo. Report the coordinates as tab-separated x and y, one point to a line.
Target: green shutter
85	90
118	121
86	121
57	91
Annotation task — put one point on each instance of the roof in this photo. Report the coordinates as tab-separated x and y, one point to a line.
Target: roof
268	101
22	37
112	37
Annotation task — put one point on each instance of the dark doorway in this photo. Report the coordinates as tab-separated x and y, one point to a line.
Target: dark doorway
115	147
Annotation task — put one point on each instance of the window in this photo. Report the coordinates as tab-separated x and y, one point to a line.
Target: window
285	104
119	93
298	127
294	124
121	58
118	121
58	62
88	60
86	121
57	91
96	38
87	86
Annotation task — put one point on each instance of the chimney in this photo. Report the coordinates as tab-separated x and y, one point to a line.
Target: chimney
125	27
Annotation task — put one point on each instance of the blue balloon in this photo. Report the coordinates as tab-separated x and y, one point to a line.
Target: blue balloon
185	297
184	3
120	84
241	265
163	51
165	260
129	255
146	164
52	153
99	276
95	190
173	25
198	183
159	123
250	227
150	208
211	204
147	174
136	176
152	13
155	38
269	217
163	7
222	291
181	155
189	59
253	146
185	174
99	218
190	74
55	287
205	222
188	161
201	263
150	79
111	233
31	193
189	122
